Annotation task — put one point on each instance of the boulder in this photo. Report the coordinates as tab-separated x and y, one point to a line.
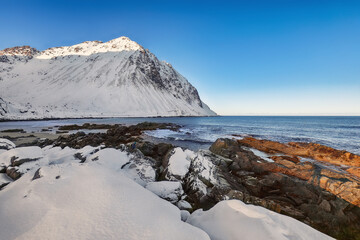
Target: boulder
6	144
13	173
170	191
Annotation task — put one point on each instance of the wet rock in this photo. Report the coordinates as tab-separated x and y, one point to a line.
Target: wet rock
13	130
114	136
85	126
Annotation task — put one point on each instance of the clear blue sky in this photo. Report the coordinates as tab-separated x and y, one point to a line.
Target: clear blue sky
245	57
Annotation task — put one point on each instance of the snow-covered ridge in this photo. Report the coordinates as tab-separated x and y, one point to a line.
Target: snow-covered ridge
118	78
91	47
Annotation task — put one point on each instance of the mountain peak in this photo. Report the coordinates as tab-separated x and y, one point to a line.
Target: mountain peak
19	51
118	78
92	47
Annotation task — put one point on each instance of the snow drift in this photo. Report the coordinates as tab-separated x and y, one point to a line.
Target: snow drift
60	196
233	219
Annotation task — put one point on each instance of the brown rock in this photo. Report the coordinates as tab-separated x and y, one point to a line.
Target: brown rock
308	150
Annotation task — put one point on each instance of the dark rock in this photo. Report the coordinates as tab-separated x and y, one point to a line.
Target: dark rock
303	191
13	173
37	175
13	130
80	157
15	161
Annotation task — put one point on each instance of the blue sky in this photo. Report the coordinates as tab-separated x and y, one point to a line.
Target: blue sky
244	57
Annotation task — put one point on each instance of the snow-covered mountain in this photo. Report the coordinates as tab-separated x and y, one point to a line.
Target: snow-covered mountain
118	78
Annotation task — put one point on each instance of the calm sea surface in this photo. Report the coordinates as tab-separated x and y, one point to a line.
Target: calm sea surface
200	132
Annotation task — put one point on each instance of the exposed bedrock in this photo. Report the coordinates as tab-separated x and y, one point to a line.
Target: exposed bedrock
308	150
324	198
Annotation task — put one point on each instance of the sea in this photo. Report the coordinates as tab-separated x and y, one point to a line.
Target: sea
340	132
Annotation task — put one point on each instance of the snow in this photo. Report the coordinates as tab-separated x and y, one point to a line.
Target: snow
179	164
111	157
4	179
87	202
6	144
101	199
140	169
20	153
95	79
184	215
184	205
170	191
233	219
92	47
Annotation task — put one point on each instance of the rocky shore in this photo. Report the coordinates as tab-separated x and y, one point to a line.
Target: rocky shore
312	183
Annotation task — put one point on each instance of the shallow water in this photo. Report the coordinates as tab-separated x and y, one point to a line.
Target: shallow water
336	132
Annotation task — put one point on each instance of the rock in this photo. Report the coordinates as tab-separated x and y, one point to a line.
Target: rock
354	171
170	191
306	191
84	126
4	180
325	205
37	174
6	144
308	150
178	164
15	161
184	215
13	131
293	159
184	205
13	173
141	169
114	136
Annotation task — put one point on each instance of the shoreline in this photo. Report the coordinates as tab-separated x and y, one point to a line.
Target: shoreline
280	181
75	118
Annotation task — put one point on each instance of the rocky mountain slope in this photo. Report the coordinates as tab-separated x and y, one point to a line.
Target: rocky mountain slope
118	78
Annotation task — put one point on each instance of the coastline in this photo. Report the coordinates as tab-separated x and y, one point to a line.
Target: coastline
273	181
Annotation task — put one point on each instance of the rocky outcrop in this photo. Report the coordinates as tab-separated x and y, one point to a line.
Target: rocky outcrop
308	150
19	51
114	136
324	198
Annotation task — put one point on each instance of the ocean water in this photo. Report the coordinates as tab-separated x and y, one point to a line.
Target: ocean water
199	132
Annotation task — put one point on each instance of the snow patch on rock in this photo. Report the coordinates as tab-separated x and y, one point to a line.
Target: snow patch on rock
6	144
170	191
